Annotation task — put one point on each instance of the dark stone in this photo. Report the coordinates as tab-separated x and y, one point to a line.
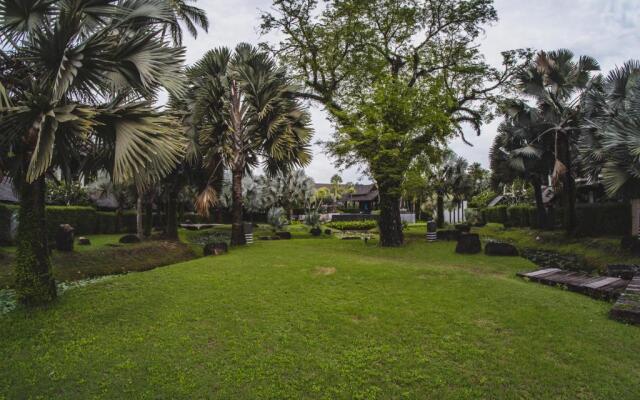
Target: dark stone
64	237
265	238
215	249
327	232
500	249
315	231
623	271
432	226
284	235
463	228
469	243
83	241
448	234
351	238
631	243
550	259
127	239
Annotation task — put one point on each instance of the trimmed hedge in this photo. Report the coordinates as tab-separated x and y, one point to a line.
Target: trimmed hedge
496	214
353	225
597	219
354	217
83	219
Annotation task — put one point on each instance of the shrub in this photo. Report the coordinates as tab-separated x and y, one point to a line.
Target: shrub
66	193
519	215
353	225
482	199
106	222
496	214
83	219
601	219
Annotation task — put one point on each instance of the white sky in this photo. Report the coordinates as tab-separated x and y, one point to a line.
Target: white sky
608	30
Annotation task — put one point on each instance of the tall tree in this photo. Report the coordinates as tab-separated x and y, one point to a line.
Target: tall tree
556	82
397	77
246	114
79	75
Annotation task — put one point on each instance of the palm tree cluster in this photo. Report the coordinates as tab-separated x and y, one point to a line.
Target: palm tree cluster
242	107
78	81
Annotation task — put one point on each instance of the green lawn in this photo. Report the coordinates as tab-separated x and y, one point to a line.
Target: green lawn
321	319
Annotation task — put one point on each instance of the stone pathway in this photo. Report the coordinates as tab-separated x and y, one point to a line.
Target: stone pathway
600	287
627	308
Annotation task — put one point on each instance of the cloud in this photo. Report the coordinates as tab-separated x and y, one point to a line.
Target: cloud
608	30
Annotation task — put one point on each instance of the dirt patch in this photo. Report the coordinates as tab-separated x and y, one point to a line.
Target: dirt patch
324	271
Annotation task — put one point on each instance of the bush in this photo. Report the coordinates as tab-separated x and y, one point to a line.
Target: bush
106	222
496	214
354	217
601	219
519	216
353	225
482	199
83	219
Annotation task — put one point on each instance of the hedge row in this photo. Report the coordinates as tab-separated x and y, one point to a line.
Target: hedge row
597	219
353	225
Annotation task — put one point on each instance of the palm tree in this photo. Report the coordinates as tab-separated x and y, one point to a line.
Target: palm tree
246	113
522	150
189	16
80	76
555	81
288	190
609	145
449	178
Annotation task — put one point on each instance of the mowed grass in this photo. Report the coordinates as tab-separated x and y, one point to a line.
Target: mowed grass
321	319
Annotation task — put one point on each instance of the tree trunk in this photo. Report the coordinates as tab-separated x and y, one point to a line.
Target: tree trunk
541	213
33	278
390	222
237	234
568	184
118	219
440	209
139	224
172	216
148	216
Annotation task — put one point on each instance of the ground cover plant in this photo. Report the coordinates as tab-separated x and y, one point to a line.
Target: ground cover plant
353	225
321	318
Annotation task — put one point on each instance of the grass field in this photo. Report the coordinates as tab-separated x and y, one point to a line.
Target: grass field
321	319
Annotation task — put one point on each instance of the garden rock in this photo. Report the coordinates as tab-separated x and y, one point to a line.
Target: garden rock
448	235
631	243
469	243
83	241
127	239
315	231
327	232
65	237
284	235
215	249
500	249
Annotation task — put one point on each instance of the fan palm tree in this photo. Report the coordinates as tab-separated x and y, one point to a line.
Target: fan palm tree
522	150
288	190
610	144
555	81
80	76
247	115
449	178
189	16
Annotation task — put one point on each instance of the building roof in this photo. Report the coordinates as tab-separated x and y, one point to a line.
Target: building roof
362	193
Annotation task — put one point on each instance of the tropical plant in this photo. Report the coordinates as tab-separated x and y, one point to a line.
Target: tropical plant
450	180
556	82
66	194
522	150
276	218
610	143
288	190
398	79
80	76
244	109
123	194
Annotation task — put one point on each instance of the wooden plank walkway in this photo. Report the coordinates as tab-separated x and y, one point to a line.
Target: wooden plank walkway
600	287
627	308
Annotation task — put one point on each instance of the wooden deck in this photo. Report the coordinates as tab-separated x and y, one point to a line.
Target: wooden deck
600	287
627	308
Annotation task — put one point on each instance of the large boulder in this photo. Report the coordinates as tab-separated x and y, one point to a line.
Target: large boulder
128	239
65	237
83	241
500	249
469	243
315	231
215	249
448	234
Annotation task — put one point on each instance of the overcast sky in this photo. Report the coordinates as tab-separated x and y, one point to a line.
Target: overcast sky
608	30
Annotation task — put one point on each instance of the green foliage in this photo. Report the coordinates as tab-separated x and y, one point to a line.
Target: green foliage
106	222
496	214
83	219
6	214
67	194
601	219
276	218
519	216
482	199
353	225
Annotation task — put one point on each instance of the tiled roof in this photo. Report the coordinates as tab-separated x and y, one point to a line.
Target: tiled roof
6	191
